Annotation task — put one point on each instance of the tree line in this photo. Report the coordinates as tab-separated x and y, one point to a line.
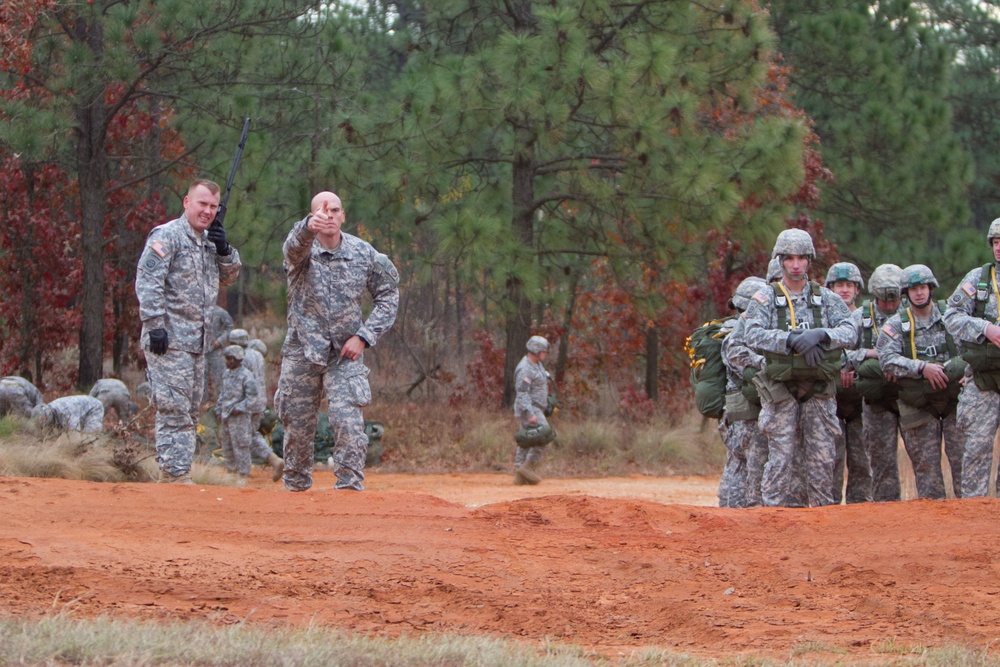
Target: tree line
598	171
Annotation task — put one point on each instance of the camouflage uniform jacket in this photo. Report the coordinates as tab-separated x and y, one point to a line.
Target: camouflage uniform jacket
929	336
109	391
177	283
221	325
856	354
74	412
959	318
239	392
30	391
325	289
531	386
762	333
737	357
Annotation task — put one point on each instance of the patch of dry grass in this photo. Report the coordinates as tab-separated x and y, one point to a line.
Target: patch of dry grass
438	439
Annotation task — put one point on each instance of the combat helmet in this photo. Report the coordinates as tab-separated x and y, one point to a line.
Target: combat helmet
239	337
234	352
918	274
794	242
993	232
774	270
537	344
744	292
885	282
844	271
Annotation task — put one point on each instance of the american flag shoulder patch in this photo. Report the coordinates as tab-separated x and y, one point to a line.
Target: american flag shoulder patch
969	289
889	330
759	296
158	248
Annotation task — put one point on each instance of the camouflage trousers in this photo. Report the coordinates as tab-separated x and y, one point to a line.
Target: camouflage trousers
851	451
978	417
530	456
810	427
880	432
300	389
746	456
236	443
923	446
176	379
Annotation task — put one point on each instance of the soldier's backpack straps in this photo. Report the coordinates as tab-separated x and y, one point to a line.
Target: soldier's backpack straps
952	348
783	307
983	290
867	325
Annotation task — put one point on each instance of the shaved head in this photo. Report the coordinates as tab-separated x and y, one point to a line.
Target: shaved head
330	199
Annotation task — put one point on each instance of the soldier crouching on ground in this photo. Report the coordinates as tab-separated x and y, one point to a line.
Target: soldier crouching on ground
18	396
531	402
800	328
71	413
113	393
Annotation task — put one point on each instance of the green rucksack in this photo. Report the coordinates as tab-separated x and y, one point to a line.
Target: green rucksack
708	373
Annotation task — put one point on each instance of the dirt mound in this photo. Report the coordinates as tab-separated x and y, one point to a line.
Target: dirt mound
611	573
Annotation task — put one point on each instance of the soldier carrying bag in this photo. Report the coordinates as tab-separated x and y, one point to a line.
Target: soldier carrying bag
984	358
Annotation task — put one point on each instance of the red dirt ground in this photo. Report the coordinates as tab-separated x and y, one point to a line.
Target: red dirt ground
611	565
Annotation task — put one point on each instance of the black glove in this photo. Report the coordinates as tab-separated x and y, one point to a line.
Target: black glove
217	235
808	339
158	341
813	356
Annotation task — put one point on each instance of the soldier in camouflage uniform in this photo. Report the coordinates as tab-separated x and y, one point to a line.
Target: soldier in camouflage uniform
879	413
112	393
71	413
328	272
800	328
177	283
221	325
531	400
746	447
238	394
254	362
972	319
916	348
846	282
18	396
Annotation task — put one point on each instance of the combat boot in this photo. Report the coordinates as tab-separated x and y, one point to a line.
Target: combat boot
180	479
525	475
278	464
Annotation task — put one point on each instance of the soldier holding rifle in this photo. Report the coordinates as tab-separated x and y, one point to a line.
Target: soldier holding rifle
184	263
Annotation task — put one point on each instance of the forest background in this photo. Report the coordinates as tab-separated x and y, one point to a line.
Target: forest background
601	173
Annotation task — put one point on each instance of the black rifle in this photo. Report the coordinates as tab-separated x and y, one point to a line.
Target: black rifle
220	215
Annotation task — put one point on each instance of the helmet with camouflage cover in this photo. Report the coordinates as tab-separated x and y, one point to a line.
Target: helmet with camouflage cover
234	352
745	291
794	242
993	232
259	345
918	274
537	344
885	282
844	271
773	270
239	337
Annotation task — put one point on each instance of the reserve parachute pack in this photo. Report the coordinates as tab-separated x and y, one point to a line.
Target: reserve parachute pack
708	373
984	358
793	367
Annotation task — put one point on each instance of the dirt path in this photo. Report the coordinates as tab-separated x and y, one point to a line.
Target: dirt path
607	564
